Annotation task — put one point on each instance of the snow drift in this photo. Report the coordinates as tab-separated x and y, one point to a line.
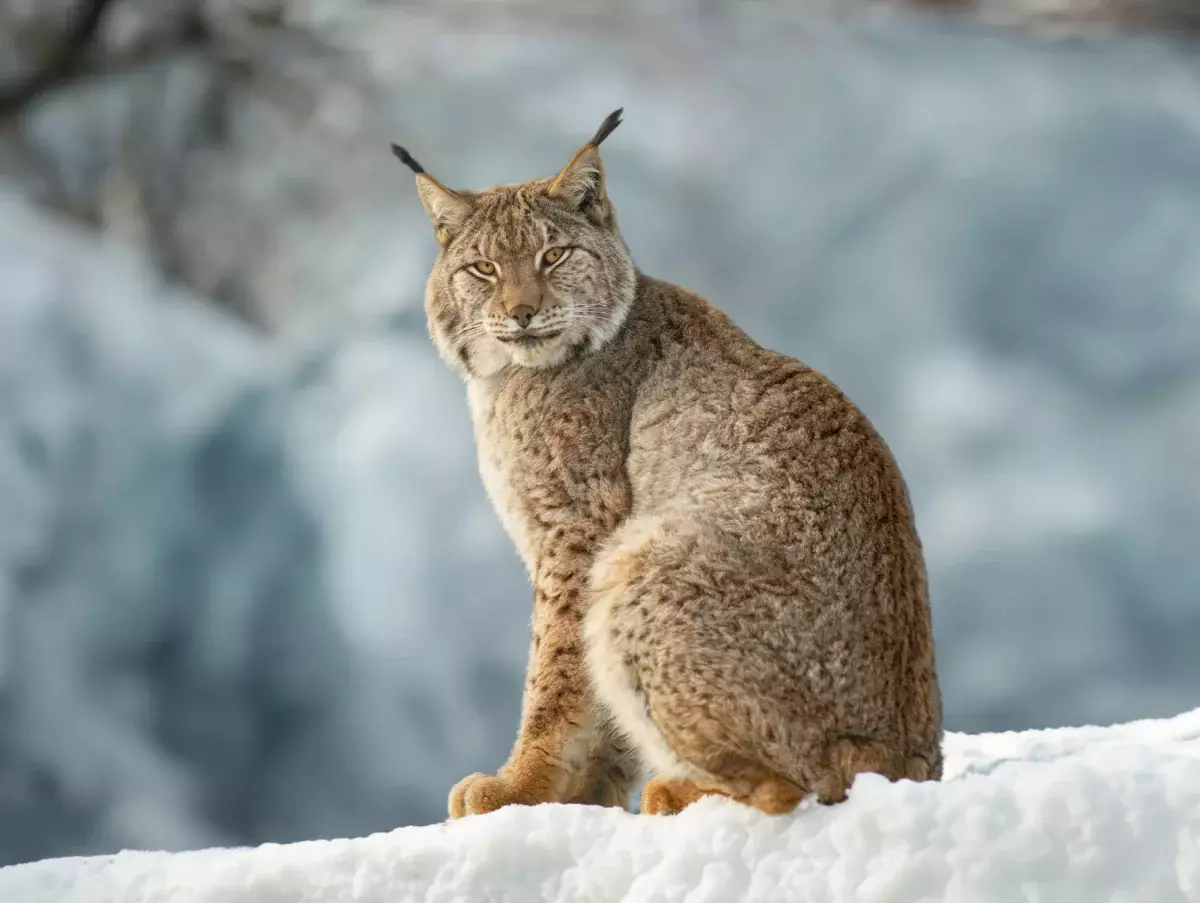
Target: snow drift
1075	814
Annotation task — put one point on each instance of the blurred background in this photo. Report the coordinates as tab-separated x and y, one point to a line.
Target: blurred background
250	586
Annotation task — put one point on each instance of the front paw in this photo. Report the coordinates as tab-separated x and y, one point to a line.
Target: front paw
477	794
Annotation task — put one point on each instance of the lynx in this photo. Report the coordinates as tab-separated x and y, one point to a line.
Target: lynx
728	583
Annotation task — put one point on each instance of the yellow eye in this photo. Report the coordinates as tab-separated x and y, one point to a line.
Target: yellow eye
484	268
553	256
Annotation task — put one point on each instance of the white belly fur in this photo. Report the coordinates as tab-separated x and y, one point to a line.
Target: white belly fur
494	468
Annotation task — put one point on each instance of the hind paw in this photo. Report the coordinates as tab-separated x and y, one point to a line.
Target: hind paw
668	796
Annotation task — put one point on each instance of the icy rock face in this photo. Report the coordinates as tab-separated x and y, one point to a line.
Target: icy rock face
109	384
170	665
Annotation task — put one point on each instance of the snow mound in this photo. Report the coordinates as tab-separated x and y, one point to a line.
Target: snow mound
1074	814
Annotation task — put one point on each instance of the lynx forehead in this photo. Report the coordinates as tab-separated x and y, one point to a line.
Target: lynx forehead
728	584
528	274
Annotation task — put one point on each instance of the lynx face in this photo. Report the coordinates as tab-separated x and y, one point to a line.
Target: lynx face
526	281
527	275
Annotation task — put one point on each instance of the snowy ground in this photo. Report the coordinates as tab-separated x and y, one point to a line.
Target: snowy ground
1094	815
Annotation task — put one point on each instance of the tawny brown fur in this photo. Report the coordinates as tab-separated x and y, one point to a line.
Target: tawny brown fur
728	585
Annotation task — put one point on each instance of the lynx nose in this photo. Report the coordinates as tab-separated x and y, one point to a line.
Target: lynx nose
523	314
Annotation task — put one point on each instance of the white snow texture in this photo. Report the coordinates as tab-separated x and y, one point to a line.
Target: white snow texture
1073	815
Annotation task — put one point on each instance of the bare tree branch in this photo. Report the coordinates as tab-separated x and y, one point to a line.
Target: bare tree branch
63	62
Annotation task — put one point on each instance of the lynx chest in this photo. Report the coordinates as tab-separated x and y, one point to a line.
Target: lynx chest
550	459
498	450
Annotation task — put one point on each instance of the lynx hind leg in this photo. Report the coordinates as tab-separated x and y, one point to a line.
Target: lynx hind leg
621	634
610	632
769	794
701	738
669	796
776	795
846	758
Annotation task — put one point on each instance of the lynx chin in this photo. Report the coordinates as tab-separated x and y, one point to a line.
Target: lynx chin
728	584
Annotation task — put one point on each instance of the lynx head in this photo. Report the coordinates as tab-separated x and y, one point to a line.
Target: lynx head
526	274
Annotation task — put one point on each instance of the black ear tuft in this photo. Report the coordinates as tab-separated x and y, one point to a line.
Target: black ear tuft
607	126
409	160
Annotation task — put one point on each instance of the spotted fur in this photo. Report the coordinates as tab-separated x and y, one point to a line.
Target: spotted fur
728	584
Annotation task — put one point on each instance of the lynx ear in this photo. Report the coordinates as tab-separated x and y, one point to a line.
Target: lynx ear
581	183
447	209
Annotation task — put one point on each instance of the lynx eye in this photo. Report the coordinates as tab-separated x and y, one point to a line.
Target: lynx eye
483	268
553	256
